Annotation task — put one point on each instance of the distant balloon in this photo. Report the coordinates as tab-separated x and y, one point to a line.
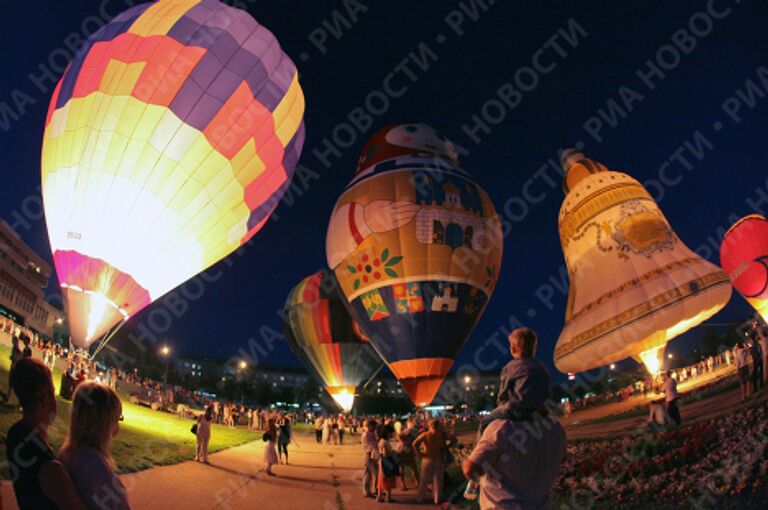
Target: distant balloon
168	143
322	334
634	285
416	245
744	256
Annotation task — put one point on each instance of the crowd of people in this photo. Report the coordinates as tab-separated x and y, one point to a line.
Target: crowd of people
521	431
418	448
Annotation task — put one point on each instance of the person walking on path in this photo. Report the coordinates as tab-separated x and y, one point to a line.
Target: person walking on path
203	435
757	362
342	423
431	444
270	455
671	397
406	452
319	429
370	462
327	431
741	354
284	435
763	341
388	467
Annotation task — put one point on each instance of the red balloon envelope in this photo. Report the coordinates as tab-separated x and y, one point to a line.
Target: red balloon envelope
744	256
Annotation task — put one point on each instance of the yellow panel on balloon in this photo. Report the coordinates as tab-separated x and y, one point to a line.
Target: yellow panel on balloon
289	112
160	17
150	118
120	78
247	164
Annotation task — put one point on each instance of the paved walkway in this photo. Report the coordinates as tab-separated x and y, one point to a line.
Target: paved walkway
319	478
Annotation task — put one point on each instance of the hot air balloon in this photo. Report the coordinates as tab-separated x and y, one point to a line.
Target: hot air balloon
416	246
322	334
744	256
168	142
634	285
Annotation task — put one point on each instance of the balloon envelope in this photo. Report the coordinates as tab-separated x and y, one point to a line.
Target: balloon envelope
416	245
321	333
744	256
634	285
168	142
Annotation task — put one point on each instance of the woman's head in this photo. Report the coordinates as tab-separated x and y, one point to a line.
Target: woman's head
96	415
209	413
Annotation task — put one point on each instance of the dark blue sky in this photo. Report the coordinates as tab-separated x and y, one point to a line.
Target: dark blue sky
587	76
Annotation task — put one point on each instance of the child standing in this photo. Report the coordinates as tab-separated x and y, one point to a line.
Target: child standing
270	454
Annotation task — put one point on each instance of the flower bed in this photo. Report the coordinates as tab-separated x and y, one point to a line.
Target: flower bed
713	463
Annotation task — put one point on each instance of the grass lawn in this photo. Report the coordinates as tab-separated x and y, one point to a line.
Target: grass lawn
147	438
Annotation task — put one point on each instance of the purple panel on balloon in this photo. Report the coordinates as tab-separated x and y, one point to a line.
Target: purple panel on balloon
224	85
205	110
185	100
224	47
270	95
199	13
256	78
242	29
293	150
184	30
206	70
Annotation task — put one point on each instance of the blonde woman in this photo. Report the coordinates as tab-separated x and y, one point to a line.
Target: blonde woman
203	435
96	416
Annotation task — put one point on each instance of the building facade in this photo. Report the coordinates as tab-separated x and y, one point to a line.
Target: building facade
23	277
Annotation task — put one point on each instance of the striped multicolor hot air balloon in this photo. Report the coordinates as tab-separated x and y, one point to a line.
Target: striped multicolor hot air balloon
416	245
169	141
325	338
744	256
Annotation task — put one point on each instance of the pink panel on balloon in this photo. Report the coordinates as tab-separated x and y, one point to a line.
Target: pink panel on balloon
96	275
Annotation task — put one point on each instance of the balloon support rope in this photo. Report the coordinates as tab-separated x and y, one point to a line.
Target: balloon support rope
373	376
107	337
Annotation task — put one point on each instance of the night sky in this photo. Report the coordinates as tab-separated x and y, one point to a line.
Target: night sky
587	76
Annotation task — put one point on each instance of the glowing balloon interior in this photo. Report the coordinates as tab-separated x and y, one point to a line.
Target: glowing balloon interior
344	397
168	142
323	336
634	285
744	256
416	245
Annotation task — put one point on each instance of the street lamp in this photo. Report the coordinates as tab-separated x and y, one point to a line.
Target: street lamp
241	366
165	351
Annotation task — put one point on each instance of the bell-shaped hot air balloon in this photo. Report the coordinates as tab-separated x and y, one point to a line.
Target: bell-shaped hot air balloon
744	256
416	245
323	335
634	285
169	141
